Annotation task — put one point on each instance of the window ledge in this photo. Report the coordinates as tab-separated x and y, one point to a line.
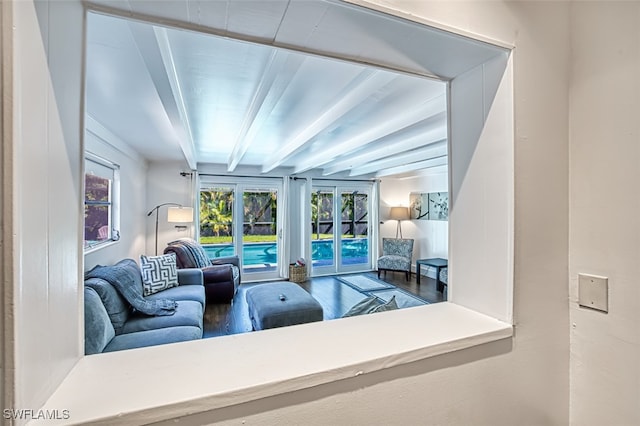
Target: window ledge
100	246
164	382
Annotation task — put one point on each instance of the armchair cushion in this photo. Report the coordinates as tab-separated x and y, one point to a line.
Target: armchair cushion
394	263
402	247
396	255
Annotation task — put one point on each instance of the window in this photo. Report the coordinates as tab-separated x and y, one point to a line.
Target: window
101	202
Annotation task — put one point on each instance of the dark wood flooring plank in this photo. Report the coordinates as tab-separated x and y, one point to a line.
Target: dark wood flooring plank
335	297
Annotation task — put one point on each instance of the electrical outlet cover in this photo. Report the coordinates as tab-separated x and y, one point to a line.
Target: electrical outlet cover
593	292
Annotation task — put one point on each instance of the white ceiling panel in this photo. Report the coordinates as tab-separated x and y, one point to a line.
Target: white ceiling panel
363	35
120	93
220	102
257	18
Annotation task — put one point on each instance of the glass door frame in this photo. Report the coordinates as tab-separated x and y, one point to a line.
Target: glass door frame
239	186
337	188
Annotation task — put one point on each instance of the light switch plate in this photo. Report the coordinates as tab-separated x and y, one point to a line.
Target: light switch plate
593	292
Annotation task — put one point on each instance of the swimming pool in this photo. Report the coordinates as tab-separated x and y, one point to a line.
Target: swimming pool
354	251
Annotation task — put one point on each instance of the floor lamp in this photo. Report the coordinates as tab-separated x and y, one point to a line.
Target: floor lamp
176	214
399	214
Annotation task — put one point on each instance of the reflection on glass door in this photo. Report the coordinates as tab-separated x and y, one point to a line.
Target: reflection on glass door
260	230
355	229
322	253
250	211
340	242
216	221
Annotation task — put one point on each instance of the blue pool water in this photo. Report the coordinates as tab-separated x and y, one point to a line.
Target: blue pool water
354	251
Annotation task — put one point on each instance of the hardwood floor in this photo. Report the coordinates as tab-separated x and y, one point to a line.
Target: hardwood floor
335	297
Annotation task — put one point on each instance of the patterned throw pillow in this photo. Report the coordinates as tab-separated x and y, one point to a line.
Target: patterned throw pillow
389	306
363	307
371	305
158	273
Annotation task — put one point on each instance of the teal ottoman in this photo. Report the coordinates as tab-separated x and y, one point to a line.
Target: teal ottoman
281	304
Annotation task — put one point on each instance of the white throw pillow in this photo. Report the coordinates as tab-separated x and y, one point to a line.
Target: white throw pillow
158	273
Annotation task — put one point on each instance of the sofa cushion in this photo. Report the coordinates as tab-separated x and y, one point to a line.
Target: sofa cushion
183	292
154	337
187	313
116	307
158	273
98	330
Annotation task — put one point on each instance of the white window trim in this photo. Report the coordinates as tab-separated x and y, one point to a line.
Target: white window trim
227	371
232	370
115	201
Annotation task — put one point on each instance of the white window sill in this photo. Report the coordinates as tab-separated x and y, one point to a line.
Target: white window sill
169	381
96	247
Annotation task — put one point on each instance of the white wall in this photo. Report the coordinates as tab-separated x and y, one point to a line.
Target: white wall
604	206
165	185
523	381
47	91
133	177
431	236
481	200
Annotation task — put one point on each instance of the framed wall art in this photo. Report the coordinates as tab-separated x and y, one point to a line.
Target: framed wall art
429	205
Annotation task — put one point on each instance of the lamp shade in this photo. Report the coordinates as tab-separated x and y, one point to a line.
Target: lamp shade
180	214
399	213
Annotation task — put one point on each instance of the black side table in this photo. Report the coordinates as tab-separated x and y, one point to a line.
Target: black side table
437	263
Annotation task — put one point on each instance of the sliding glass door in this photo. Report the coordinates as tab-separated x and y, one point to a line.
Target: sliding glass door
340	228
260	231
243	219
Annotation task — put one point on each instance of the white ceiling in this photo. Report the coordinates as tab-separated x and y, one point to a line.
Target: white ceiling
204	97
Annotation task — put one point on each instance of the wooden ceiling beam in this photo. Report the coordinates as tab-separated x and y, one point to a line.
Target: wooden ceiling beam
420	165
430	132
278	73
155	50
396	123
400	159
153	45
359	89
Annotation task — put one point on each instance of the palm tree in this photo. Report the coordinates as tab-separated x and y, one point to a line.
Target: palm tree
216	212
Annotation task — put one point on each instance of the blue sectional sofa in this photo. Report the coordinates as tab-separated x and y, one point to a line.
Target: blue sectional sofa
111	323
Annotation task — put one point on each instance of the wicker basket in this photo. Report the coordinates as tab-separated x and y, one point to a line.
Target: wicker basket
297	274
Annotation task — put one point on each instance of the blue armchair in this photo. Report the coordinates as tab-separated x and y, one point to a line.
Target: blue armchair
396	255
